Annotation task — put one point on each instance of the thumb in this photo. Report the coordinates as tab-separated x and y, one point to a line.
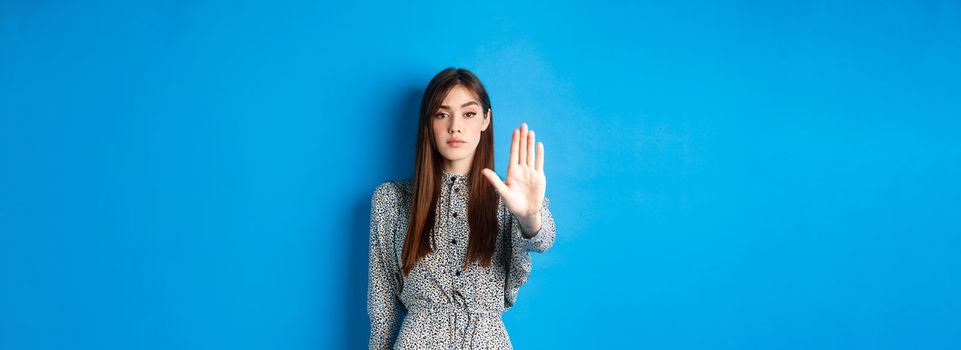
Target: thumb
495	180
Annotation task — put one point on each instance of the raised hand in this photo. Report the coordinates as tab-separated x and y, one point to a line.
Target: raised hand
523	189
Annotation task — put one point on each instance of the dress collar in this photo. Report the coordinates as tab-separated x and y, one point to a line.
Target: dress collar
451	176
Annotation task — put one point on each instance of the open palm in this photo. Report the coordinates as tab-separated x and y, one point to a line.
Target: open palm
523	189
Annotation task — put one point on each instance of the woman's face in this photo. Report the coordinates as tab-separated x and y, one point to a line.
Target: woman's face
457	126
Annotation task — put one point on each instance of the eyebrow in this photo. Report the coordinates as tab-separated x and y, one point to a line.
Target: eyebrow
463	105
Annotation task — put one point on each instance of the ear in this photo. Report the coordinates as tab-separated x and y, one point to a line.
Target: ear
487	119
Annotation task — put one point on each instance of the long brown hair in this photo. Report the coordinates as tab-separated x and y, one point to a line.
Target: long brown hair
482	204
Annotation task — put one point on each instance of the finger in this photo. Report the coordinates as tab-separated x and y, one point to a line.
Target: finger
515	138
540	157
522	150
495	180
530	148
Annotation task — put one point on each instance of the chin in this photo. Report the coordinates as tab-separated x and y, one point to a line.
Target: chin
453	155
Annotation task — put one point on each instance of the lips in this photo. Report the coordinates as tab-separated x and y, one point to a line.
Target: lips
455	142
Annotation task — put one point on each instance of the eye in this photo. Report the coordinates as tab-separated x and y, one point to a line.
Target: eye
469	114
440	115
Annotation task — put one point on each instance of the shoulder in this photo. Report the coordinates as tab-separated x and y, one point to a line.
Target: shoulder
391	192
394	188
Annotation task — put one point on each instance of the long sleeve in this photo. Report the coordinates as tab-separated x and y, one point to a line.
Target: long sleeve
383	288
519	264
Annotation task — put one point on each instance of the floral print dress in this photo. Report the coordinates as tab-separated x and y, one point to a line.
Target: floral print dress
441	305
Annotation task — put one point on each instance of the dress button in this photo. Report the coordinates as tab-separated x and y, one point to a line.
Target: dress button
457	273
453	241
453	178
456	190
455	215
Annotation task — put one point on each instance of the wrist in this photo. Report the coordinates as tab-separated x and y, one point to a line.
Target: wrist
529	224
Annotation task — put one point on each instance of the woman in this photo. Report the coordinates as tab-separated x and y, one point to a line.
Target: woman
449	250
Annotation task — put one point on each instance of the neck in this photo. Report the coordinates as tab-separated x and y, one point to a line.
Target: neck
457	167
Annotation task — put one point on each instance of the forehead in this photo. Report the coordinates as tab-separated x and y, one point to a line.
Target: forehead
459	95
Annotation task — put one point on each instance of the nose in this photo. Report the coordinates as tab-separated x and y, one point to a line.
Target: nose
455	125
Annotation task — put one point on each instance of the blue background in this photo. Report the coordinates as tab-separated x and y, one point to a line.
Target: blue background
732	175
